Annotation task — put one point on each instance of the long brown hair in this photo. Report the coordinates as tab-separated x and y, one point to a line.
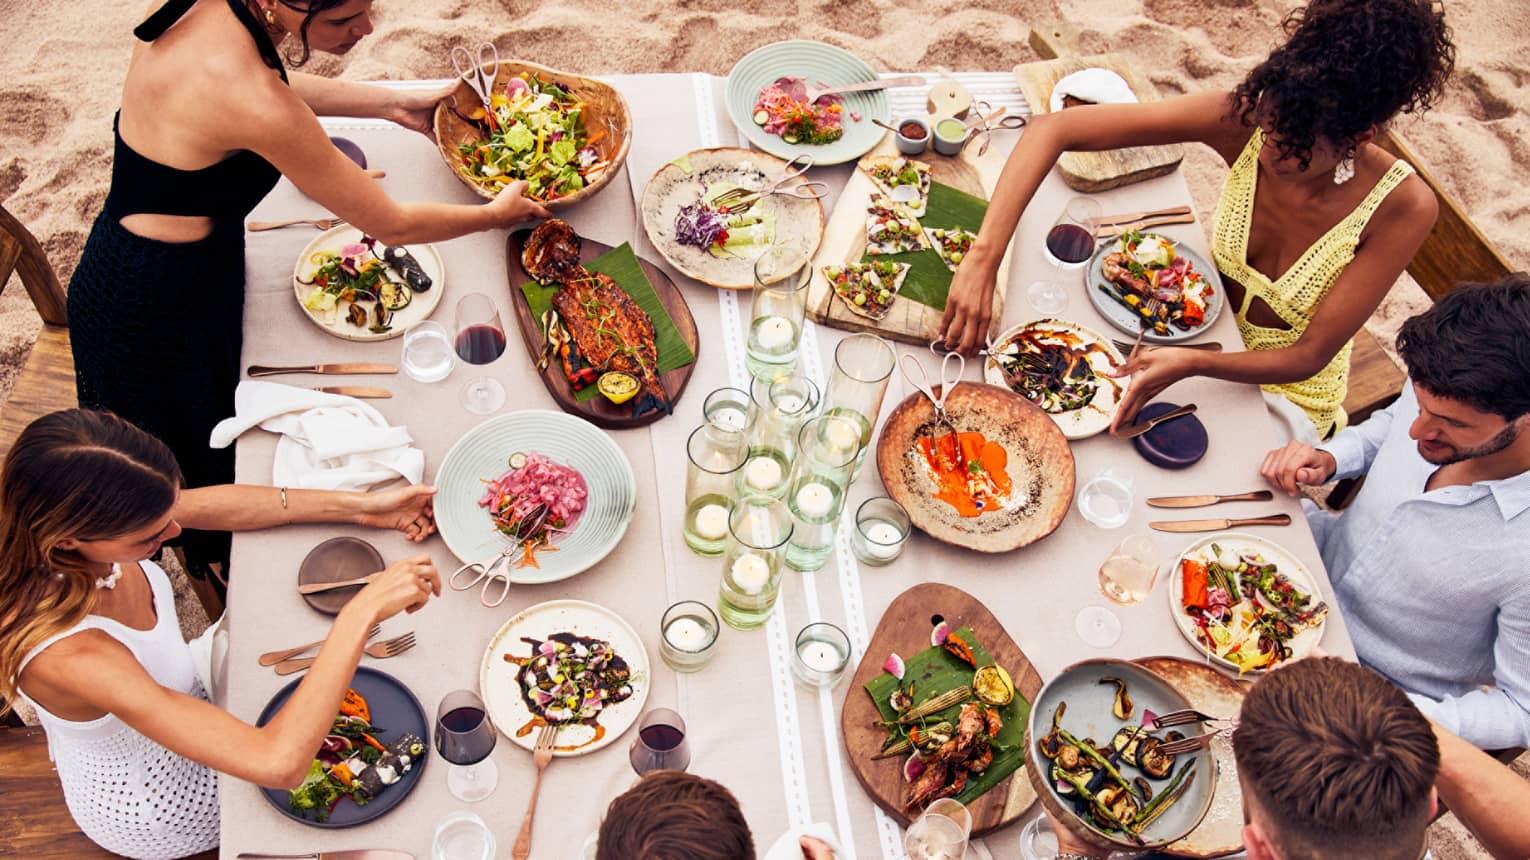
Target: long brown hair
71	474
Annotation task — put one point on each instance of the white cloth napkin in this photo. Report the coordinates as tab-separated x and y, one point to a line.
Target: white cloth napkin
788	847
329	442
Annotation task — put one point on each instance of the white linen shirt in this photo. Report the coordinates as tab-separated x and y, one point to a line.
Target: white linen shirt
1434	585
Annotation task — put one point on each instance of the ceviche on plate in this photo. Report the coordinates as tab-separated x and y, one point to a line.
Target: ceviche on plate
1246	603
535	501
782	109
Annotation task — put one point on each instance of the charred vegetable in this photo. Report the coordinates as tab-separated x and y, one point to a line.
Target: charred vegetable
1123	706
357	315
1153	760
1126	742
1050	745
993	686
935	705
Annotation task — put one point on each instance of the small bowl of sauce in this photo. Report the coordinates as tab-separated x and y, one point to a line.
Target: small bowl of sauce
950	135
913	135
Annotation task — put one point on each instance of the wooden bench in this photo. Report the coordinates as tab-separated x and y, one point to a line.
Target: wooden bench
46	383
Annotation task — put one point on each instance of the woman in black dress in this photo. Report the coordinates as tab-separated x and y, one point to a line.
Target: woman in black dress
210	120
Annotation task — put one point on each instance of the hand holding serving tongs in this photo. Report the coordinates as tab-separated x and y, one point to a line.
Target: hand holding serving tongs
481	82
947	383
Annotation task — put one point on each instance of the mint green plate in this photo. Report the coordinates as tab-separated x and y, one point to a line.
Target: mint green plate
817	62
483	453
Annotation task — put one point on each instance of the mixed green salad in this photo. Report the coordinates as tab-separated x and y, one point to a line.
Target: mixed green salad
535	131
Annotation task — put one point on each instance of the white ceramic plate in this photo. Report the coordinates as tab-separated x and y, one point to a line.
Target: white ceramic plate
484	452
420	308
501	691
816	62
1097	414
1285	563
1126	320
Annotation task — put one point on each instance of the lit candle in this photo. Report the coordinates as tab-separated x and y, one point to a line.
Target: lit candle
820	657
841	435
762	473
774	332
791	404
750	573
712	522
729	418
883	540
686	634
814	499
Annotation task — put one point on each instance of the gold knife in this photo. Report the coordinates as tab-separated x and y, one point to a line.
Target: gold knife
1202	501
258	370
355	391
1129	217
1143	426
1218	525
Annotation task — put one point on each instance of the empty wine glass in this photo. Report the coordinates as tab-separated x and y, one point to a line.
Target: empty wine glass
1047	296
660	743
1070	242
465	737
480	340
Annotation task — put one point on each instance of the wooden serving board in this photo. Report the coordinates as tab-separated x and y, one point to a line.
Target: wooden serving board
1098	171
599	410
905	629
844	241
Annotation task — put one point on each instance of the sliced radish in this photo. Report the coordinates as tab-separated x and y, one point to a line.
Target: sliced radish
1148	717
940	634
894	666
913	767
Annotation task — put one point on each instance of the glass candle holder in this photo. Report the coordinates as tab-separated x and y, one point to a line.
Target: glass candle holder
781	277
758	530
687	634
716	457
863	364
782	406
826	450
821	653
729	409
462	836
881	528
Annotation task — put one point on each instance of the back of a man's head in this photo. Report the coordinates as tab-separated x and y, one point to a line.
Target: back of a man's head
1473	346
1335	762
672	815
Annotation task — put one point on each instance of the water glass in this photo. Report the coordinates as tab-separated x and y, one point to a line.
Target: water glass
863	364
1106	499
940	833
730	409
881	528
687	633
465	737
821	654
462	836
1128	572
428	355
660	743
781	277
782	406
758	530
826	450
717	455
1070	243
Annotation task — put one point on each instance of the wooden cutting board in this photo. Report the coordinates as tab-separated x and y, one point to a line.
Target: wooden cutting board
599	410
1098	171
844	241
905	629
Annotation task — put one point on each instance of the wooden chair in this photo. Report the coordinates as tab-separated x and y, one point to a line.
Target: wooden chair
46	383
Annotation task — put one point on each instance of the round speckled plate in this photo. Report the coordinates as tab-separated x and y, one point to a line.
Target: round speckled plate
1126	320
501	691
419	308
817	62
483	454
1094	416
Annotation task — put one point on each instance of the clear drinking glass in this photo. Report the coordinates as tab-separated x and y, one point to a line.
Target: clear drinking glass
827	447
462	836
788	402
939	833
465	737
758	531
428	355
821	653
1071	241
480	340
1047	296
781	277
687	633
717	456
660	743
881	528
1106	499
863	363
730	409
1128	572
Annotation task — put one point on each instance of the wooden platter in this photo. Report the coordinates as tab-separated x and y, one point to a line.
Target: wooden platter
905	629
1040	466
599	410
844	240
1210	692
1112	168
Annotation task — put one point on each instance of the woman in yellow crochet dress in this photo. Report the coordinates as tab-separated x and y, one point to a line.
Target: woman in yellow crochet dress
1315	223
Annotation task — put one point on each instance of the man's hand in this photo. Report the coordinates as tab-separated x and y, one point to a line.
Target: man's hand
1295	464
407	509
814	848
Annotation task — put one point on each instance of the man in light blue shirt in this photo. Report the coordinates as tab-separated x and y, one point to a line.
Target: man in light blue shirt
1431	563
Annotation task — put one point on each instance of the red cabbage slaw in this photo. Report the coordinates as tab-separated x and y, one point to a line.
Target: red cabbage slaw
782	109
516	496
699	225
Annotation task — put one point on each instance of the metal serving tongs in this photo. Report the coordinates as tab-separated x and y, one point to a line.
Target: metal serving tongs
805	190
947	383
495	572
989	119
481	82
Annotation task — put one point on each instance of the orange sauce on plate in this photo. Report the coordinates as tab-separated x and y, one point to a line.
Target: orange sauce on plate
969	471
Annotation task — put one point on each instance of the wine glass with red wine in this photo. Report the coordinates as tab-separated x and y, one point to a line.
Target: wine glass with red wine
480	340
660	743
465	737
1069	245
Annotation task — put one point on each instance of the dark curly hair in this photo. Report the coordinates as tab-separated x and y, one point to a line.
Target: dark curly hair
311	9
1348	65
1473	346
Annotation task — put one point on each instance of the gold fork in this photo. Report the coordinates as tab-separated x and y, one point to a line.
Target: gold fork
542	755
382	650
271	658
320	223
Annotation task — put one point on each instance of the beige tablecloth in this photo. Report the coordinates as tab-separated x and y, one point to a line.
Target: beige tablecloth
775	744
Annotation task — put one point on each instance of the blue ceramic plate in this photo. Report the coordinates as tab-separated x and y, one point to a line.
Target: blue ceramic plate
395	710
818	63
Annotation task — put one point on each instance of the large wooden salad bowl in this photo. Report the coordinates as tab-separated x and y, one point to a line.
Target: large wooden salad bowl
604	111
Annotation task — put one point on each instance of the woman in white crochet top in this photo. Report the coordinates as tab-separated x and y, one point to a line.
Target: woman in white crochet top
88	630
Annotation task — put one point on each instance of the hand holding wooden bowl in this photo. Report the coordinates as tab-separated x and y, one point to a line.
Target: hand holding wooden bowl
606	119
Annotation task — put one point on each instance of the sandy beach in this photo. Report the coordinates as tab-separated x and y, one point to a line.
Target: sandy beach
62	71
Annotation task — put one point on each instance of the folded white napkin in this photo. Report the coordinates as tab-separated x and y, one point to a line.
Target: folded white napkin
329	442
788	847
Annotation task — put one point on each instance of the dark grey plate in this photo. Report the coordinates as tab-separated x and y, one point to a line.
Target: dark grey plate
336	560
1126	320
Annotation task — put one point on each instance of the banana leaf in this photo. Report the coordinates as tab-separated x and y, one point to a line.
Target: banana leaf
935	671
929	281
621	265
